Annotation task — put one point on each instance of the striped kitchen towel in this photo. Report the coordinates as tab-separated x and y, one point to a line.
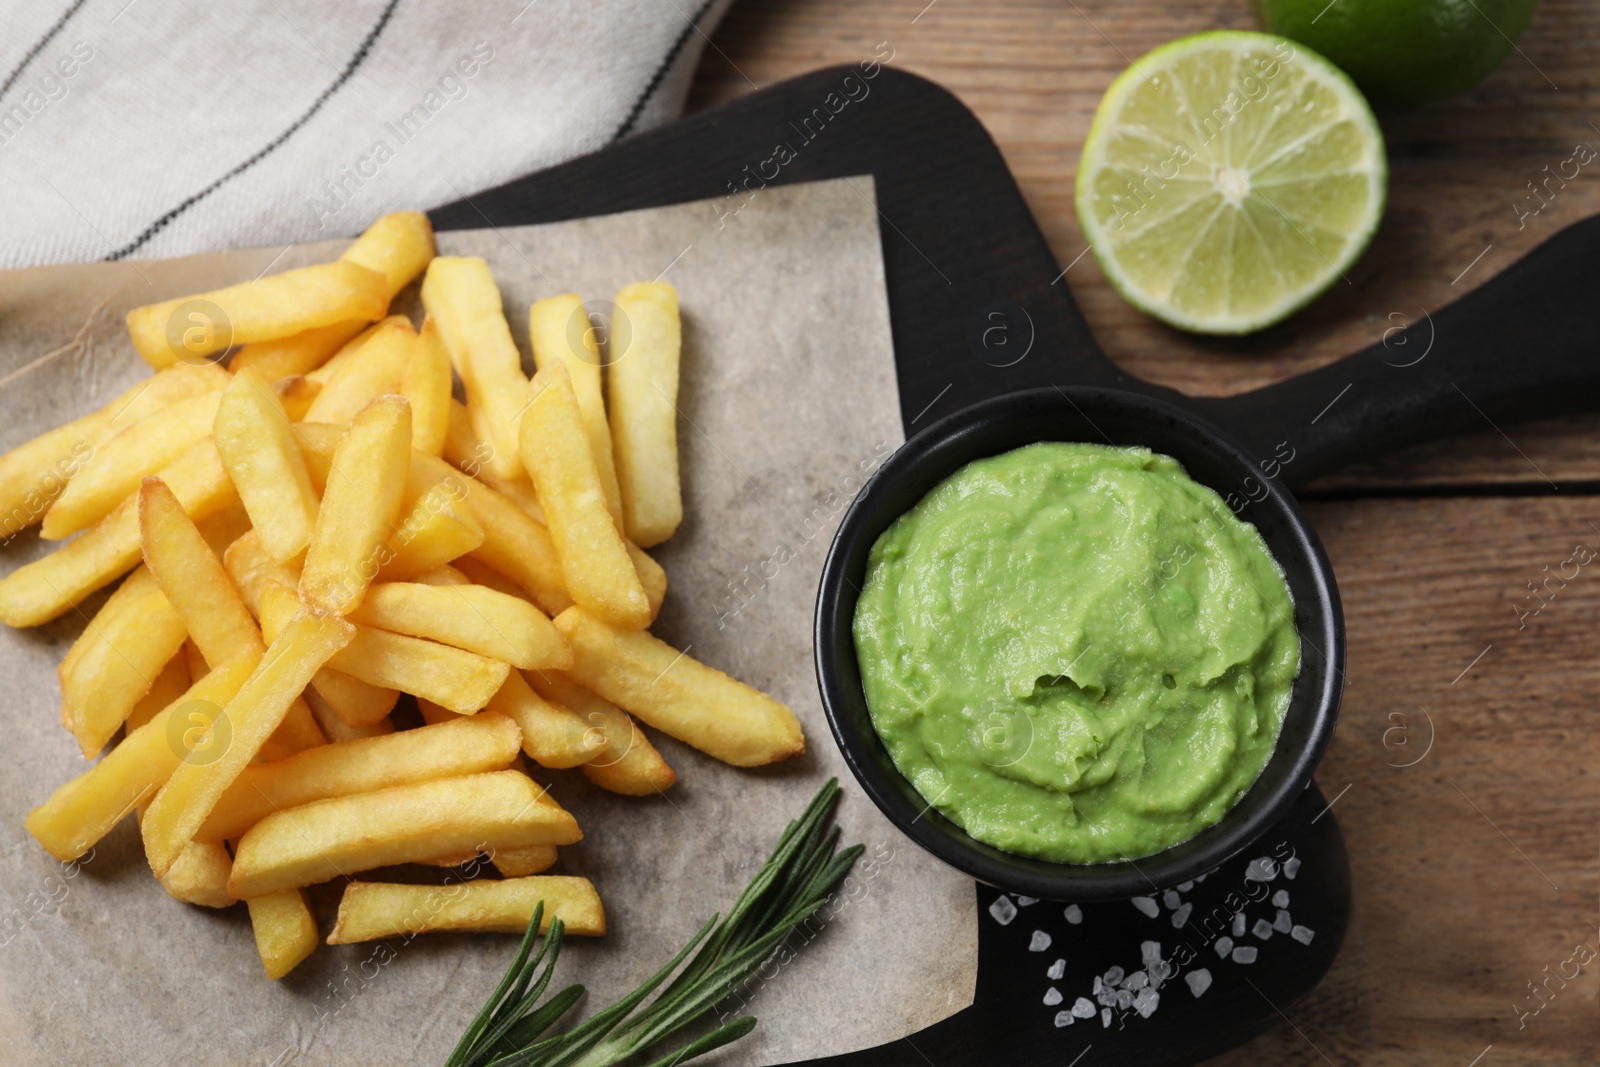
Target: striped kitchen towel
133	128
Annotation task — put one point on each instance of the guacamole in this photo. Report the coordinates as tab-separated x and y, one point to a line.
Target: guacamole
1076	652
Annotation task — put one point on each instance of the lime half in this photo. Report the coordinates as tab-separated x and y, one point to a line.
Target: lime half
1229	178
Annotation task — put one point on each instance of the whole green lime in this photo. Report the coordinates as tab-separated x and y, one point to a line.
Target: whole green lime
1403	53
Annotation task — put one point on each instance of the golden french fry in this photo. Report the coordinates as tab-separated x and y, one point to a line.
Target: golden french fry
438	529
426	383
373	370
250	568
652	577
372	910
472	617
553	735
286	931
598	571
191	328
298	354
448	575
33	474
249	719
360	505
521	862
559	331
629	763
477	572
678	695
43	589
403	824
224	528
460	294
84	810
463	448
259	453
643	382
194	662
334	727
296	394
170	684
357	703
200	876
462	746
397	245
460	680
122	462
116	660
352	348
192	578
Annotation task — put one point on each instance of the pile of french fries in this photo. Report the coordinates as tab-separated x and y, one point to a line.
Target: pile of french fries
322	527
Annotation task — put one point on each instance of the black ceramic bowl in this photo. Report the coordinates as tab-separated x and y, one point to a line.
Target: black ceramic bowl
1099	416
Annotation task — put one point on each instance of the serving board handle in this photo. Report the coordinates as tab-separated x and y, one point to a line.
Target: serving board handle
1524	345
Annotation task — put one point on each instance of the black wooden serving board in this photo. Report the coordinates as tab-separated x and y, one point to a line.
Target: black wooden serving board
976	311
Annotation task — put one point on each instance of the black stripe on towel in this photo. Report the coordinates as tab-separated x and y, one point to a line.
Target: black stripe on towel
661	71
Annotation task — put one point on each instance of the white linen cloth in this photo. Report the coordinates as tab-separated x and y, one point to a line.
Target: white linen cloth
166	127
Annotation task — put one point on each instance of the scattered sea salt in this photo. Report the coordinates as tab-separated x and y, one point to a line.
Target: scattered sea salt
1106	996
1224	946
1199	981
1082	1008
1039	941
1023	902
1074	914
1136	980
1280	899
1185	887
1114	976
1052	997
1282	923
1171	899
1160	971
1098	984
1245	954
1262	929
1238	924
1149	950
1105	1018
1302	934
1145	1003
1261	869
1124	999
1064	1018
1291	867
1147	905
1002	910
1181	916
1057	969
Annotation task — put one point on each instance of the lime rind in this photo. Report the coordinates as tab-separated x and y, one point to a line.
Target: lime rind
1228	179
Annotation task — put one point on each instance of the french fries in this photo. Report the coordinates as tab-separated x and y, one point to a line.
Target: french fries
279	305
462	297
559	332
678	695
286	932
627	762
359	506
553	735
460	680
372	910
259	453
322	528
471	617
643	382
84	810
425	382
124	461
183	804
117	659
599	572
403	824
462	746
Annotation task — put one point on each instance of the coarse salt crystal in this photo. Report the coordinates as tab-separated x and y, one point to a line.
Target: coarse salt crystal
1124	999
1057	969
1145	1003
1039	941
1238	924
1244	954
1136	980
1147	905
1023	902
1262	929
1302	934
1083	1008
1291	867
1064	1018
1282	923
1149	950
1114	976
1171	899
1181	916
1185	887
1224	945
1002	910
1074	914
1280	899
1199	981
1261	869
1052	997
1105	1018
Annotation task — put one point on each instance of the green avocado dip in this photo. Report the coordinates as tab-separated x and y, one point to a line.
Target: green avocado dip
1076	652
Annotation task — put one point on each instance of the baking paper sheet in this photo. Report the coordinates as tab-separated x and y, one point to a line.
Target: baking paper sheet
788	398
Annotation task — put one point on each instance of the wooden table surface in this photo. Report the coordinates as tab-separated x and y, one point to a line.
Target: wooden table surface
1477	867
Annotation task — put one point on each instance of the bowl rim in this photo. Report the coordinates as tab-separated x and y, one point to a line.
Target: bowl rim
1314	702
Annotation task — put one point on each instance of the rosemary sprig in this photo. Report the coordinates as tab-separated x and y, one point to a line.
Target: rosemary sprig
804	869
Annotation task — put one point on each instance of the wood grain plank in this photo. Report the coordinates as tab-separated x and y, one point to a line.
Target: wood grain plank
1034	71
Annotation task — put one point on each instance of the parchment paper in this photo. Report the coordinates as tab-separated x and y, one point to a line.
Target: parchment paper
788	399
